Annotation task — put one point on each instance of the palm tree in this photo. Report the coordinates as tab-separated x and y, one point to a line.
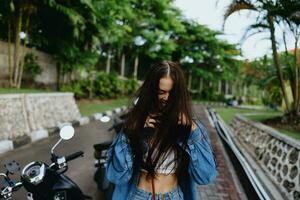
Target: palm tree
265	20
289	12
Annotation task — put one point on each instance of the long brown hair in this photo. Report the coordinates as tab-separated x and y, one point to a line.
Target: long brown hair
167	129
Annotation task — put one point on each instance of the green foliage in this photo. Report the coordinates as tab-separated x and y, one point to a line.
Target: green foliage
285	13
105	86
272	97
79	88
71	58
130	86
206	56
31	66
262	73
254	101
110	86
209	95
88	33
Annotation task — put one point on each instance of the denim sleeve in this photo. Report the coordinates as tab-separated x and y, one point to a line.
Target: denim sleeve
119	160
202	166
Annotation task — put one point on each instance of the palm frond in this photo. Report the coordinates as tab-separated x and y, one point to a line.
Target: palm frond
238	5
88	3
73	15
253	30
12	6
295	17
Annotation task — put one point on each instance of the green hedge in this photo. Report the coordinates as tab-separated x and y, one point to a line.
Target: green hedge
104	86
208	95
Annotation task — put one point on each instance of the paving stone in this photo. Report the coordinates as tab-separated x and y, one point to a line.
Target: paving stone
223	187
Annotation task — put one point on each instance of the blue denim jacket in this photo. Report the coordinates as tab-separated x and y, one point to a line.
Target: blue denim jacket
202	167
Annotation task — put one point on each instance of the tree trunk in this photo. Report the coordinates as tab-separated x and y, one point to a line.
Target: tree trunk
276	62
190	81
200	85
23	54
18	25
69	80
233	89
209	83
226	87
21	72
91	88
293	76
219	86
296	100
10	71
136	64
123	65
245	90
58	69
108	61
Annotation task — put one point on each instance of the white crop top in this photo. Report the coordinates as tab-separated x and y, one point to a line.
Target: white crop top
167	166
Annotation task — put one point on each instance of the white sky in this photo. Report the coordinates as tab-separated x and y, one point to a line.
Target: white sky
208	13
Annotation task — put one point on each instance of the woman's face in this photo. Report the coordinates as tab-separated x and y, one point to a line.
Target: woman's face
165	86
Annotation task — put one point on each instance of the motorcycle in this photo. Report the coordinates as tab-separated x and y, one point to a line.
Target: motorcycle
100	155
42	181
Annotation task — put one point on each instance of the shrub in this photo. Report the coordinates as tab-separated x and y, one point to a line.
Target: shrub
130	86
31	66
79	88
105	86
272	96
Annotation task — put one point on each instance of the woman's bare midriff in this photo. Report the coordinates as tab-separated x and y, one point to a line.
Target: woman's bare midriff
163	183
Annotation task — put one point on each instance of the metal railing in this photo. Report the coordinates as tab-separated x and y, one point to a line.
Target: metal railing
226	135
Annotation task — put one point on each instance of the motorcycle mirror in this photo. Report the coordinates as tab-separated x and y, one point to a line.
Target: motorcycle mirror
105	119
66	132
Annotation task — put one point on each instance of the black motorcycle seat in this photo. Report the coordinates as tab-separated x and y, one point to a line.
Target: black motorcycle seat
102	146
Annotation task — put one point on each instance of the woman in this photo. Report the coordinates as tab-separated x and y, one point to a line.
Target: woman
161	153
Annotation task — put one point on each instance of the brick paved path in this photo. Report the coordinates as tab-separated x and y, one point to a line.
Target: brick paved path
224	187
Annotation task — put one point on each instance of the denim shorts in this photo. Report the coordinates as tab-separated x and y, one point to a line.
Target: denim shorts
174	194
140	194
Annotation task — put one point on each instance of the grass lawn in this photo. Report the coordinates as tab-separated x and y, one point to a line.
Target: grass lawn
289	133
263	116
227	115
88	108
205	101
22	90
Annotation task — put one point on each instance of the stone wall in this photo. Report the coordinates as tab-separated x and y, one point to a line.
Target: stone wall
23	114
277	154
47	63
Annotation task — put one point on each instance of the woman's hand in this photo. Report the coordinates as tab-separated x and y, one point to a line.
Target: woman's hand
150	121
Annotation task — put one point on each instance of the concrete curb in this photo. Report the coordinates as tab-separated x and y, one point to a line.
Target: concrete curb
7	145
39	134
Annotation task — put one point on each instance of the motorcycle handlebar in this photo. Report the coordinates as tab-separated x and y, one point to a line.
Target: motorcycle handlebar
17	186
74	156
116	126
6	192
